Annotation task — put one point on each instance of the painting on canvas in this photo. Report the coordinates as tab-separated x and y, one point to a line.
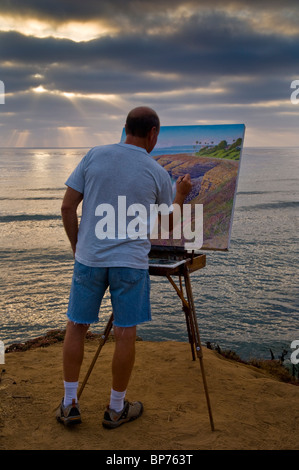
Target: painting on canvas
211	154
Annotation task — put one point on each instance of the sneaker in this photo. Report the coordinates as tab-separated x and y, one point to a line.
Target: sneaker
68	415
130	411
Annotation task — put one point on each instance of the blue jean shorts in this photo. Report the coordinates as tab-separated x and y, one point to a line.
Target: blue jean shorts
129	291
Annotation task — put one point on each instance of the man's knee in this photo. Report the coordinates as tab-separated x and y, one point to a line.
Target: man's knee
77	329
127	333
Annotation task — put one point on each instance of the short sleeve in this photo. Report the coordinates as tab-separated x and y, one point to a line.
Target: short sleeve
77	178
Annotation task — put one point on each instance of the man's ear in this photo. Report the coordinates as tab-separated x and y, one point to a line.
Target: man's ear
153	133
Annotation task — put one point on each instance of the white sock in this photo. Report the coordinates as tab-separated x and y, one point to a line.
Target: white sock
70	392
117	400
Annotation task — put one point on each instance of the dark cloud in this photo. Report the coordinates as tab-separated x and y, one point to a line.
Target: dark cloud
128	10
197	52
165	61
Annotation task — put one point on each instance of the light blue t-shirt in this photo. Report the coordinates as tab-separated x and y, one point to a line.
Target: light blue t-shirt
121	184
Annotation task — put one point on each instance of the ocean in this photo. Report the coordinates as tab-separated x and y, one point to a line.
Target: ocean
246	299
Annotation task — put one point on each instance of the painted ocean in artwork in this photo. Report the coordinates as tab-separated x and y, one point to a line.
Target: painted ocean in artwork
211	154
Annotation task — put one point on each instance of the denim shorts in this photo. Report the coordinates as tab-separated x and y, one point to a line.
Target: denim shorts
129	291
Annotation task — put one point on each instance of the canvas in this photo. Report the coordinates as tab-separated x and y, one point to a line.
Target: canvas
211	154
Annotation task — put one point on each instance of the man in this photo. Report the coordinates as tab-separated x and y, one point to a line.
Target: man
114	259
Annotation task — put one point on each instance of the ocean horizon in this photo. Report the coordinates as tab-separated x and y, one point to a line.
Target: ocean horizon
246	299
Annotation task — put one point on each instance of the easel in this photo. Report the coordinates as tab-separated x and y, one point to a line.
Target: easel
179	264
189	264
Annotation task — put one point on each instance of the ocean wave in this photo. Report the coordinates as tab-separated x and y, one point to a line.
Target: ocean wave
271	206
28	217
250	193
41	198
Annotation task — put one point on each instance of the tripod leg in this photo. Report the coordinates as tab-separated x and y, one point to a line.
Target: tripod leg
188	323
197	341
185	307
103	340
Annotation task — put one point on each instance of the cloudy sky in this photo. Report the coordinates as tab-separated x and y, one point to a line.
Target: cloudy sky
72	69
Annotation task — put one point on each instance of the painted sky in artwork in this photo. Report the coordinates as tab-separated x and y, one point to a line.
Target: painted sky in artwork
190	135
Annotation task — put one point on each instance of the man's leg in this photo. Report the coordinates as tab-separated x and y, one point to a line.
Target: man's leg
68	412
121	411
73	351
124	357
129	289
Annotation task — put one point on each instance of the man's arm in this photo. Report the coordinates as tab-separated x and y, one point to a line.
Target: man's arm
71	201
183	188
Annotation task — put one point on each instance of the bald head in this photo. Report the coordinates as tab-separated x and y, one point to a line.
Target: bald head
140	121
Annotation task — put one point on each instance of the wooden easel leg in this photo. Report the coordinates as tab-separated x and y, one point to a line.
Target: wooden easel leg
103	340
193	330
185	307
193	319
